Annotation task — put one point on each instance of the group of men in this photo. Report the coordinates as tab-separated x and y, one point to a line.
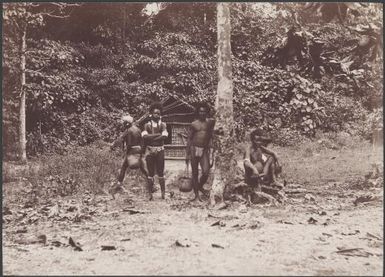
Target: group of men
144	150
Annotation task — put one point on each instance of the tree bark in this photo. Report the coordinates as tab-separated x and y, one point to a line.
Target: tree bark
224	127
22	121
124	29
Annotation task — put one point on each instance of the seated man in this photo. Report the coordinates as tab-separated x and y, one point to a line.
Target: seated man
260	163
133	159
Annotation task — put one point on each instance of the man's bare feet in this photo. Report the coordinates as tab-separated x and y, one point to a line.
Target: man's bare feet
205	192
113	189
196	198
121	189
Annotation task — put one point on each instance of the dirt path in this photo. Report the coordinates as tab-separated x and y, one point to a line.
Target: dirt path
258	240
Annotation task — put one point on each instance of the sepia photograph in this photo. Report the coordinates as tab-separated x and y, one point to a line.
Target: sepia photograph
192	138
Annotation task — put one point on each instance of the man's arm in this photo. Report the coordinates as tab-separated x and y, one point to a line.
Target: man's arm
147	137
211	131
190	135
266	150
154	137
164	133
247	161
266	168
119	141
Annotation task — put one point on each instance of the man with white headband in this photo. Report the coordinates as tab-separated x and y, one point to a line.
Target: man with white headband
131	139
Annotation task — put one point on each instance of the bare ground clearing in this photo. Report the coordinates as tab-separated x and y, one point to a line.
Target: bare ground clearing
323	235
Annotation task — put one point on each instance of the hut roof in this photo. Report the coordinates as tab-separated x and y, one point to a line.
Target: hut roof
172	106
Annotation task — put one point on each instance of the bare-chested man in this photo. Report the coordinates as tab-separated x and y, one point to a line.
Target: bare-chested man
131	139
198	147
259	162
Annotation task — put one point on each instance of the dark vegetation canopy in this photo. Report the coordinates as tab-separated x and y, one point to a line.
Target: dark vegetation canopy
298	68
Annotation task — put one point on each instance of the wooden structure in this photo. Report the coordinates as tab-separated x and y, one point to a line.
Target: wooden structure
178	115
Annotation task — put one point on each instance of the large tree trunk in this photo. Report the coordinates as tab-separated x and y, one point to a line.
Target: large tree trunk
224	127
22	124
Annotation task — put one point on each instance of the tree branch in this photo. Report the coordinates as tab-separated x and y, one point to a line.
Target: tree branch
54	15
65	5
38	57
34	71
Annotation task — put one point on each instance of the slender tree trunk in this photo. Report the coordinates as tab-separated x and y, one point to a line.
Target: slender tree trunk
22	124
224	127
124	29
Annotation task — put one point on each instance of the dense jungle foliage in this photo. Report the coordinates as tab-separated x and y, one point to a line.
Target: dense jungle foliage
84	69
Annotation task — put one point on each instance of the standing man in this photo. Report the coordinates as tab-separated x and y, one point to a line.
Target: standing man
154	134
198	147
131	139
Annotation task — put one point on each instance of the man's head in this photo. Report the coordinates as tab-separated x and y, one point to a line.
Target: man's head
202	110
156	111
258	137
127	120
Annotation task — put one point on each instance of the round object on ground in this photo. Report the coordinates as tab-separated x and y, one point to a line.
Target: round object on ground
185	184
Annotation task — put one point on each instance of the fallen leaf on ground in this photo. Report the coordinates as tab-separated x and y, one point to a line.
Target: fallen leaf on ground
309	197
183	243
239	225
21	231
219	223
214	216
42	239
6	211
285	222
217	246
327	222
131	211
363	199
54	211
33	240
74	244
215	223
358	252
256	225
108	247
373	236
57	243
326	234
128	239
351	233
311	220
